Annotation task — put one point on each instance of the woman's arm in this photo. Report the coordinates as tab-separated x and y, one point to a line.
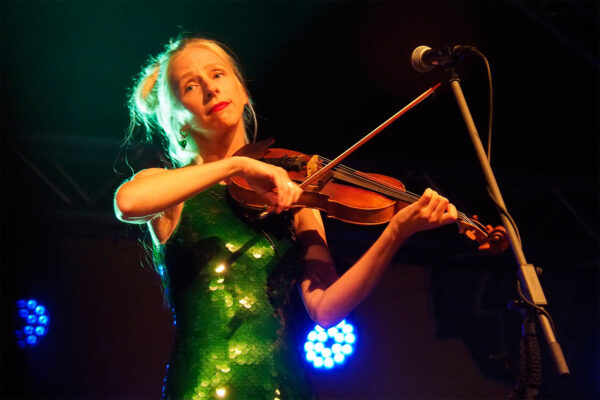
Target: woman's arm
155	191
328	298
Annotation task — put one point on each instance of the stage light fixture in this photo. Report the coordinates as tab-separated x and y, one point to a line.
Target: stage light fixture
35	320
328	348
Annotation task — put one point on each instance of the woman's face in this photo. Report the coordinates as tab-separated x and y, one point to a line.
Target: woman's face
207	86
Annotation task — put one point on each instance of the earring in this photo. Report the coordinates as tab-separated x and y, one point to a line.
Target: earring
184	134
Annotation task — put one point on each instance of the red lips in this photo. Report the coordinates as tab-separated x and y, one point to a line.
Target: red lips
218	107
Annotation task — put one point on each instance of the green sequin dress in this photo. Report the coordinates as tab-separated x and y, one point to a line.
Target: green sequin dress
228	277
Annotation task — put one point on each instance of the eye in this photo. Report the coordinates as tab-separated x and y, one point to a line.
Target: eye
218	74
189	87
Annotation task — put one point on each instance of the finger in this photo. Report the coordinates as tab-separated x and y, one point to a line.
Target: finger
288	194
271	199
451	215
440	208
296	192
433	202
280	181
421	204
425	197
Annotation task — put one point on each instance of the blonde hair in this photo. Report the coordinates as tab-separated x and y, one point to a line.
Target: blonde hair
153	104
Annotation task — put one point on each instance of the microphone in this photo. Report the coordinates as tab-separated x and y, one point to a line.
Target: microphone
425	59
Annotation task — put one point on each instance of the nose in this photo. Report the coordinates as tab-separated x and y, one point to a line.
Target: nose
210	90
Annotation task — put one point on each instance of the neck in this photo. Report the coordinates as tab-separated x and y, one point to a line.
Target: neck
217	146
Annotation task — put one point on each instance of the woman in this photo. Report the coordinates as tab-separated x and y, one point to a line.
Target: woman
228	273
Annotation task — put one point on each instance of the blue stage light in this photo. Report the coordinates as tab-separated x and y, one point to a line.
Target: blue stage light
336	348
319	346
36	320
329	348
350	338
318	362
328	363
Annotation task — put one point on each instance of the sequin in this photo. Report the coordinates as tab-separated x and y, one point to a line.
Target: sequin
228	287
230	247
220	269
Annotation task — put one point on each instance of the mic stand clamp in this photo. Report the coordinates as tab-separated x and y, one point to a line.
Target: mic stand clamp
533	299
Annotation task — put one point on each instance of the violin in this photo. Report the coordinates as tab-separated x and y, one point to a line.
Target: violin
349	195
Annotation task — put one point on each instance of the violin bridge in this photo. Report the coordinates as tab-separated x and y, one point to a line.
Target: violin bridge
312	166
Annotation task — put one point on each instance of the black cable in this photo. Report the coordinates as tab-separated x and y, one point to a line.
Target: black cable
539	309
491	101
499	207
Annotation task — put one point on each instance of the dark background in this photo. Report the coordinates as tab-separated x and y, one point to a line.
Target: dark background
322	75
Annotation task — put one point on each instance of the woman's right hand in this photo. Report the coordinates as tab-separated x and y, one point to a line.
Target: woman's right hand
270	182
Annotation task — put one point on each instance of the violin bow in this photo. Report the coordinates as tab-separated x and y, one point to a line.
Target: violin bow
323	171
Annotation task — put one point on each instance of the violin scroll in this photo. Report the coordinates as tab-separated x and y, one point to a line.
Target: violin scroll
490	239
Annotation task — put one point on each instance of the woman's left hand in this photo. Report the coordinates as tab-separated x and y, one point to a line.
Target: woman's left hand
430	211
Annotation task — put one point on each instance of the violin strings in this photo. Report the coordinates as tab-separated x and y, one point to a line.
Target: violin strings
411	197
386	185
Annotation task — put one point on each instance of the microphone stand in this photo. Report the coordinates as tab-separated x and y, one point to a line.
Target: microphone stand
533	299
